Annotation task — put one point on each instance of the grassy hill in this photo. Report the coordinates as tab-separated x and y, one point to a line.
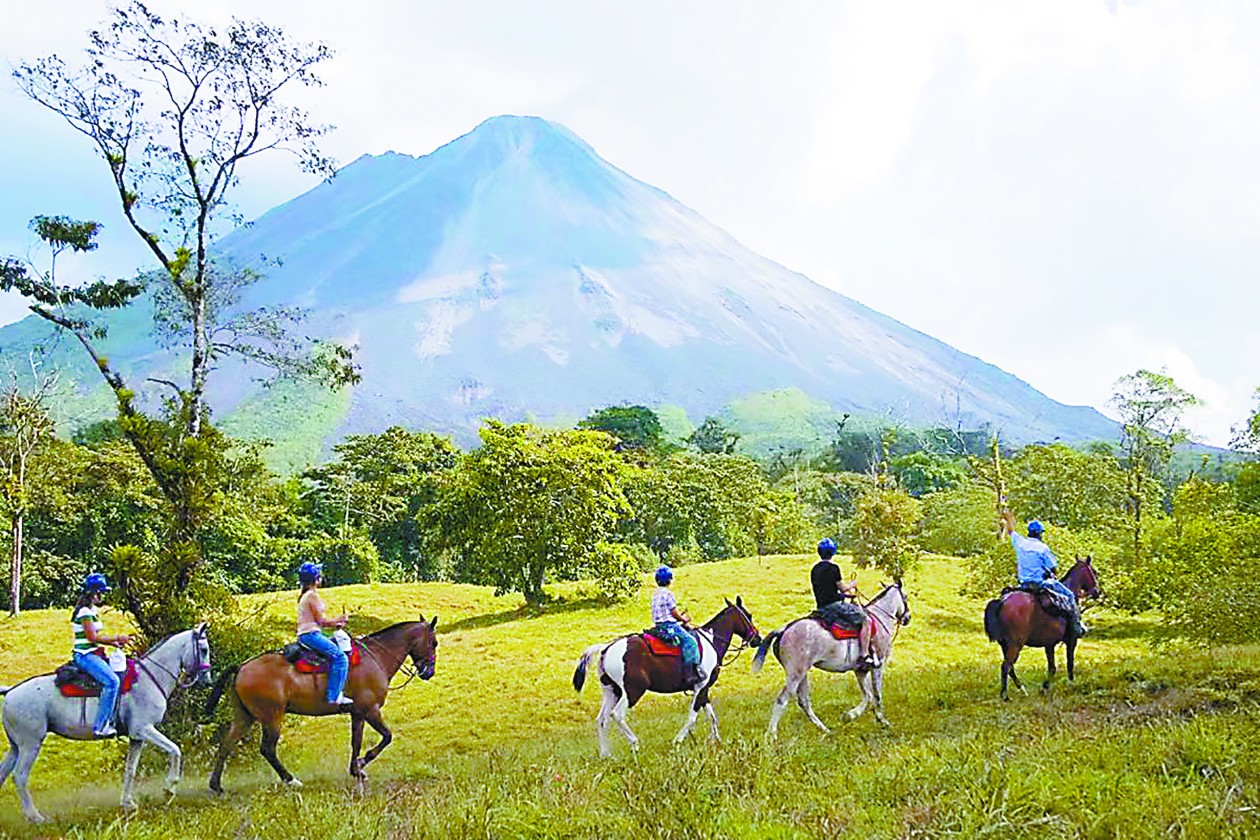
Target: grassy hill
499	745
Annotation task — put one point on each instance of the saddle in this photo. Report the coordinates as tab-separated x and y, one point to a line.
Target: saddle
660	647
841	630
73	681
1049	600
308	661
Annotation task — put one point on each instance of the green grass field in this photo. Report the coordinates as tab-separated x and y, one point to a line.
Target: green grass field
499	745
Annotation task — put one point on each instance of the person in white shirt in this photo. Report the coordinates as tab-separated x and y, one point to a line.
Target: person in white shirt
672	626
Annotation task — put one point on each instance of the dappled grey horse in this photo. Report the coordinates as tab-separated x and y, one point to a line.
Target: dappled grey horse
805	644
36	707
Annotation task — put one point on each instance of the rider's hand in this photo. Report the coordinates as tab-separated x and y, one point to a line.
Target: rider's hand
122	640
341	621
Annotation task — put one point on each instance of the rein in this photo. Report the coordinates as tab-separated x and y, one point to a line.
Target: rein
403	666
143	664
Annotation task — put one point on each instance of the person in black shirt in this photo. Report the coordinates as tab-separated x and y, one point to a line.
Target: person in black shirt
834	598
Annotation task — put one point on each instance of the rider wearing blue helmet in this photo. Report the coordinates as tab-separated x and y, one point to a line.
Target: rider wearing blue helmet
834	599
1036	564
310	625
88	639
672	626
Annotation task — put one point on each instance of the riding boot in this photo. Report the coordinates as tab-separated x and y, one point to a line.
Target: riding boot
690	675
1081	629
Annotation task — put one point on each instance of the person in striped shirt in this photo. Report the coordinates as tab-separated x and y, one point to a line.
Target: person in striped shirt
88	638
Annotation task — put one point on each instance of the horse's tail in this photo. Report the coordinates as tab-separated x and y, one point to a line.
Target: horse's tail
769	639
215	693
579	673
993	620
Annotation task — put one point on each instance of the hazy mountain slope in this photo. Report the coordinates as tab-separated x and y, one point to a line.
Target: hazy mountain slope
513	271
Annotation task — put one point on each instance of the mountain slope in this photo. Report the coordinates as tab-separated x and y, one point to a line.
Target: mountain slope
514	272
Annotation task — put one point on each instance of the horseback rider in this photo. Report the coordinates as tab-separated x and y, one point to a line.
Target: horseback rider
1036	564
88	639
310	625
673	626
836	600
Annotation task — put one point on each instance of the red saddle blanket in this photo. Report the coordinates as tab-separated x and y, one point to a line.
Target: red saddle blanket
82	685
843	631
309	662
661	648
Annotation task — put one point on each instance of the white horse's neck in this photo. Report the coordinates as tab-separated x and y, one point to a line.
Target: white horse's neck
164	663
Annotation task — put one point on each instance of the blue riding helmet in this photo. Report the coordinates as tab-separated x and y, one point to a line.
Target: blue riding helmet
1036	529
95	582
309	572
827	548
664	575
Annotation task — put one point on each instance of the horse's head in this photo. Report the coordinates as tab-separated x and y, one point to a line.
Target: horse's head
195	658
902	613
741	622
422	647
1082	580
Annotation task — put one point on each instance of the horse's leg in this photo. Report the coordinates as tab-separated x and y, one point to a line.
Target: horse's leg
1071	658
242	722
802	700
863	681
713	723
692	714
374	720
1010	654
174	758
794	676
21	776
134	747
356	744
270	738
619	715
877	685
1045	686
9	762
604	718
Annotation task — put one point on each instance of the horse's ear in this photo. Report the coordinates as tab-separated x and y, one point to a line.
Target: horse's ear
897	582
739	602
420	618
201	628
433	623
728	602
1089	560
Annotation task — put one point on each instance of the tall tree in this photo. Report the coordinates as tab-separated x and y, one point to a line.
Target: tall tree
24	425
636	427
1151	406
713	437
173	109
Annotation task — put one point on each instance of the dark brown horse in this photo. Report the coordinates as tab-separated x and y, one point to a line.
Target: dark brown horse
628	670
267	686
1016	621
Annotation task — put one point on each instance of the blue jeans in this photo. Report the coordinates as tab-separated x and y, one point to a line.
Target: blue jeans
1058	586
676	634
103	674
340	664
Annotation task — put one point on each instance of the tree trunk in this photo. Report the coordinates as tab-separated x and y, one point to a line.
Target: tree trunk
15	569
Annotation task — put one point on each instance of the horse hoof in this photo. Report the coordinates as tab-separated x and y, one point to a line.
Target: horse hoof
294	783
130	807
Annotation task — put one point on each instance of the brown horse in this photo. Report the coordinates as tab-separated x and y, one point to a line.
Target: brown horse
1017	620
267	686
628	670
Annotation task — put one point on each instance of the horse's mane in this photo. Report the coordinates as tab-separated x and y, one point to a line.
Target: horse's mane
882	593
391	628
729	606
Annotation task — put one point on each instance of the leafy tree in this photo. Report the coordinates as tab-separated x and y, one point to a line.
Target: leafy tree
921	473
1151	406
530	505
885	529
1066	487
173	108
1246	438
24	426
636	427
958	521
378	484
713	437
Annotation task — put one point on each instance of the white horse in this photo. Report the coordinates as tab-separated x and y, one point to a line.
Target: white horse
36	707
805	644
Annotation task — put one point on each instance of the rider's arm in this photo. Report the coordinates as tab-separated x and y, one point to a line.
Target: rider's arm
89	631
1008	523
679	615
317	612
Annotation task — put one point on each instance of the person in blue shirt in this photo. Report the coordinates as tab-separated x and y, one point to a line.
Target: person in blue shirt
1036	563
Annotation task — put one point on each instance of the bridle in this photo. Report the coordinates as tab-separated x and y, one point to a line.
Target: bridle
878	613
199	668
728	657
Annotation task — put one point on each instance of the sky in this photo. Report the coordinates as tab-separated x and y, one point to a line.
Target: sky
1069	190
